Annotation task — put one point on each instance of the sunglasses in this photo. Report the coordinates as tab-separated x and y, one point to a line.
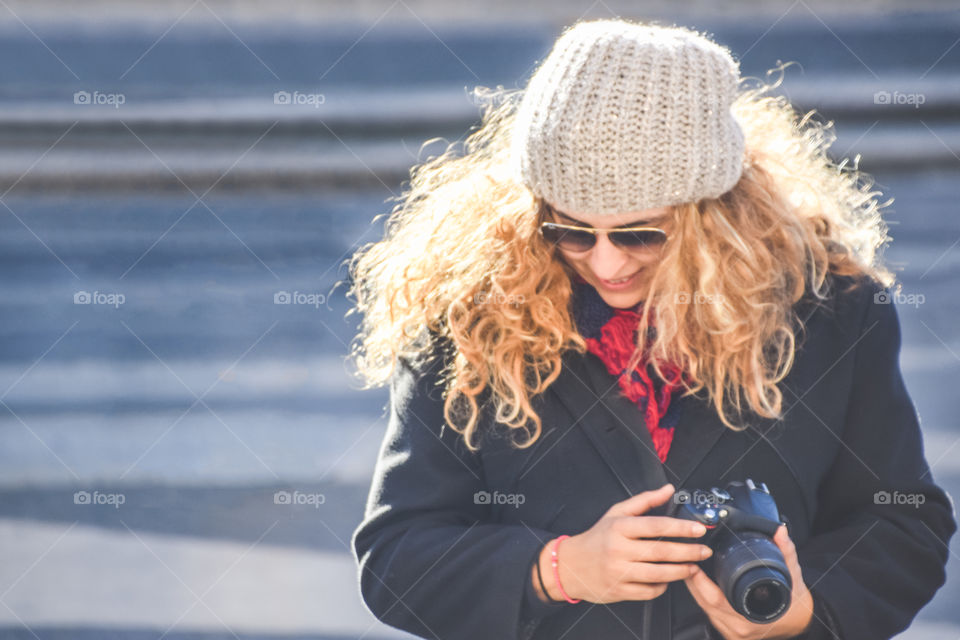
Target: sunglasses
578	239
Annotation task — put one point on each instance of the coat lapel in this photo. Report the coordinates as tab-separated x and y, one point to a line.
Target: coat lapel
697	434
616	427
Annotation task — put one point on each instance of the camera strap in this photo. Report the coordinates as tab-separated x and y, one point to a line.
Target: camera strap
657	623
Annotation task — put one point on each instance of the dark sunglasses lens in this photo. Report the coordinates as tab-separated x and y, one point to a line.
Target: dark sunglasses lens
568	238
637	239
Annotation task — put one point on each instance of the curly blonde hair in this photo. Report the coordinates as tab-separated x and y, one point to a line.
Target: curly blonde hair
462	260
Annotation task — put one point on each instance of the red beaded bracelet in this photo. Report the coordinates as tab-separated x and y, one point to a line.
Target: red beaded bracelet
556	571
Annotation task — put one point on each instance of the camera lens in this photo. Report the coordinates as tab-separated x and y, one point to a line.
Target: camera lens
752	573
763	594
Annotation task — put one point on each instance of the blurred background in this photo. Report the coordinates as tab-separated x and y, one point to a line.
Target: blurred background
183	453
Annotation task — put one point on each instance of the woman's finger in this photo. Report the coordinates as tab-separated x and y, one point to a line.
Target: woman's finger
706	593
659	527
642	502
711	599
789	551
787	548
653	572
642	591
663	551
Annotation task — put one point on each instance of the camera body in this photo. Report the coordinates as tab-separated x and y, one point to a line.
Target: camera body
746	563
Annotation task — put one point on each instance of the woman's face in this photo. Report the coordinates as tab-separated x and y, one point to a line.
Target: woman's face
605	262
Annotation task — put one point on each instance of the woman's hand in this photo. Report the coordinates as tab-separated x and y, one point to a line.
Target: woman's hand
615	560
733	626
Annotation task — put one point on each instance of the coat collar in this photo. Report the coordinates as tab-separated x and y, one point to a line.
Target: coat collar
617	430
592	397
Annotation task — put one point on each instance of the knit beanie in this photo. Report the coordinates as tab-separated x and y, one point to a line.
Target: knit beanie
624	117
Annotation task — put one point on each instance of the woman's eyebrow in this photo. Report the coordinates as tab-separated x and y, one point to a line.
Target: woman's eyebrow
636	223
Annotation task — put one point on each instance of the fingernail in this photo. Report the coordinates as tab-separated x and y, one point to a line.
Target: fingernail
698	529
706	552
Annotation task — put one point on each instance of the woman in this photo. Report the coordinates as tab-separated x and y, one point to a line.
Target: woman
638	277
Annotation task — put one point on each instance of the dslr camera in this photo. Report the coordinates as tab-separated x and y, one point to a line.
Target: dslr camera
746	563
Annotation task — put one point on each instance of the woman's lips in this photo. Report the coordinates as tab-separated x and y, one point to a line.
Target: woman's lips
614	286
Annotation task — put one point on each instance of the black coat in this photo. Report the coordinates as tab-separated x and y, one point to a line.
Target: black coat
440	561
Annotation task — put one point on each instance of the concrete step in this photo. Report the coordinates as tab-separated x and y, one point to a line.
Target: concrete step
375	111
86	577
274	156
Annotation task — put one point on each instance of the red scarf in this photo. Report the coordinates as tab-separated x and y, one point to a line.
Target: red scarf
610	334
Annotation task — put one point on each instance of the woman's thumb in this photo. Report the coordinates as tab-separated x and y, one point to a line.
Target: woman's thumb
643	502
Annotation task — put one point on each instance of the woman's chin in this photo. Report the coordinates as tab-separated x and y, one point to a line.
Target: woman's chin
623	299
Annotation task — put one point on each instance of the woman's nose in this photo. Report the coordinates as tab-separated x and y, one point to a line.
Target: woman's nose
606	259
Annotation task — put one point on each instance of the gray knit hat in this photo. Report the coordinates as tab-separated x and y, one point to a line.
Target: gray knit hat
622	117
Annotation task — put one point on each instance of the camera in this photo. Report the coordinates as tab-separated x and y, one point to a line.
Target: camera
746	563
